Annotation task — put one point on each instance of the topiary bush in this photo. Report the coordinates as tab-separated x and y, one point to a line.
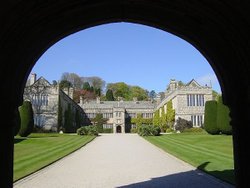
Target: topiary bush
182	124
27	120
223	119
210	119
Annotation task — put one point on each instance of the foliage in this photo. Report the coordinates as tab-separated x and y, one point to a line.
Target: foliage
65	84
149	130
133	130
139	120
88	130
73	78
59	115
169	130
27	120
138	92
86	86
223	119
194	130
210	119
127	92
182	124
170	116
156	118
120	89
99	121
109	95
68	120
152	94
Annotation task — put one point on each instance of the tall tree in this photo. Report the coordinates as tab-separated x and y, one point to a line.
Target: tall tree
73	78
210	119
65	84
99	121
86	86
223	119
138	92
120	89
152	94
109	95
27	120
156	118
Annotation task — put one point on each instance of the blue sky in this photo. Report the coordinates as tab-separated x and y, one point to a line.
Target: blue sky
126	52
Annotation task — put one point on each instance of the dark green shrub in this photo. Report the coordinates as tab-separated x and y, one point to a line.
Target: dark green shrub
149	130
182	124
27	120
223	119
210	119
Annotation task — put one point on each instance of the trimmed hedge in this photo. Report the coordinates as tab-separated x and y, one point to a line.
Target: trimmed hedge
210	119
223	119
27	120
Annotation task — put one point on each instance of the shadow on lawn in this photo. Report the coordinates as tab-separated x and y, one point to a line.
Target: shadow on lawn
17	140
194	178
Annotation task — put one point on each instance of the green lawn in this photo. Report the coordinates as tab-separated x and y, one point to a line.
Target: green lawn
40	150
210	153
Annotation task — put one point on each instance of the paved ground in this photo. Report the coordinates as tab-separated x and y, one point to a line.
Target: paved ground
120	160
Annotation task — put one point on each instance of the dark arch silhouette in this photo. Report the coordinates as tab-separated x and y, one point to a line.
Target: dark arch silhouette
218	29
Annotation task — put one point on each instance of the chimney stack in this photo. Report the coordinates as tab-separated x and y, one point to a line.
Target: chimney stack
32	78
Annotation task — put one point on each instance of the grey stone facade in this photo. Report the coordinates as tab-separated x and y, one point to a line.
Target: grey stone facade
188	101
118	111
48	101
54	108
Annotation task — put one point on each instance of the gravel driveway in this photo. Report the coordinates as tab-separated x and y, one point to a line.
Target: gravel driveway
119	160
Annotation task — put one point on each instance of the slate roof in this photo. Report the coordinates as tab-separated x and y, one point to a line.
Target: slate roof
120	104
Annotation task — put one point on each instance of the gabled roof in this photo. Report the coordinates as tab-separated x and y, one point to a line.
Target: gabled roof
41	81
193	83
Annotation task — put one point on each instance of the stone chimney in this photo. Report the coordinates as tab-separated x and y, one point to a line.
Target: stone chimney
71	92
32	78
81	99
98	100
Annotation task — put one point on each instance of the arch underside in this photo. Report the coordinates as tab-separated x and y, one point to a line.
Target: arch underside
218	29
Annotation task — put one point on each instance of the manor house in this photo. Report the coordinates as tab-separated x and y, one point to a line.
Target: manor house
55	109
188	101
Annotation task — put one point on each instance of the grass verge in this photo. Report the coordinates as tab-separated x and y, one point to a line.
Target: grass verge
39	150
212	154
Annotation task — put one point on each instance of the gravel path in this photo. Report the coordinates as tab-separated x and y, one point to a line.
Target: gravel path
119	160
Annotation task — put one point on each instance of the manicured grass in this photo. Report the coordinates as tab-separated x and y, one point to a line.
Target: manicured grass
40	150
210	153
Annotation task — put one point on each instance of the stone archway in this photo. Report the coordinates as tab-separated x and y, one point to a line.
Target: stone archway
218	29
118	129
